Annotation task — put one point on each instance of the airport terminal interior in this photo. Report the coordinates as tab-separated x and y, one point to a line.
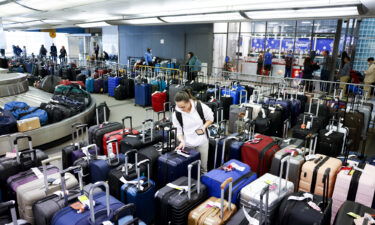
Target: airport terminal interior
187	112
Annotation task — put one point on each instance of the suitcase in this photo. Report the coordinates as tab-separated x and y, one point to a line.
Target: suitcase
172	91
97	132
89	83
30	193
158	99
120	92
208	215
355	184
286	141
8	124
234	112
343	217
10	218
119	134
142	94
121	216
113	82
232	149
238	171
355	122
259	152
226	102
105	84
105	206
330	142
339	127
67	151
99	85
129	87
141	195
176	205
313	171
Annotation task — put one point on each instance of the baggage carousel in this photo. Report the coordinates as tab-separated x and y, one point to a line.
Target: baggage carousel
13	84
2	70
48	133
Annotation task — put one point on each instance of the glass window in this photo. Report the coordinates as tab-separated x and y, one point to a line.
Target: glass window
245	27
234	28
220	27
257	27
219	53
325	26
304	26
281	26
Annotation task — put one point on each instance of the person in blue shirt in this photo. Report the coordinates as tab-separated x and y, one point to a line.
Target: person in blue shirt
268	61
148	57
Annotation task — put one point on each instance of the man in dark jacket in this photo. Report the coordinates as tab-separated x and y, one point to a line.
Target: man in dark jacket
326	68
43	51
54	52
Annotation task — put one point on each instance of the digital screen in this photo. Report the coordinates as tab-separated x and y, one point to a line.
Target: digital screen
257	43
324	44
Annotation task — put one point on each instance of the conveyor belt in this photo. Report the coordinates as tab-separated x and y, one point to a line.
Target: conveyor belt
13	84
2	70
45	134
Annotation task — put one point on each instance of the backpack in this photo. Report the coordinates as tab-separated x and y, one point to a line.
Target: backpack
199	110
198	65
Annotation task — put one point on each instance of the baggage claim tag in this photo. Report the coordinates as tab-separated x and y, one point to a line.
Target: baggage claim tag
37	172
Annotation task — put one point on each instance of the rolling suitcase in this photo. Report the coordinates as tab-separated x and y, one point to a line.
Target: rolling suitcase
89	83
102	211
67	151
97	132
30	193
10	218
313	171
286	141
259	152
238	171
142	94
250	195
206	214
141	194
120	92
228	148
330	142
157	100
226	102
174	205
99	85
344	216
355	122
8	124
354	183
125	216
113	82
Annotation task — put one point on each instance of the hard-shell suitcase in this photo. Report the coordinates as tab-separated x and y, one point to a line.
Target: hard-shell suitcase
157	100
343	217
120	92
99	85
238	171
330	142
10	218
141	195
126	216
232	149
313	171
113	82
67	151
142	94
355	122
206	214
30	193
97	132
174	205
259	152
89	83
103	210
354	183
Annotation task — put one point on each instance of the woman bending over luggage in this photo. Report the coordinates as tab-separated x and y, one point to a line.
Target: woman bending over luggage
192	118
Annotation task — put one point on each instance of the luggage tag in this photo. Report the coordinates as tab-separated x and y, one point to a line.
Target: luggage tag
272	185
212	204
37	172
237	167
328	133
180	188
107	222
11	155
183	153
255	140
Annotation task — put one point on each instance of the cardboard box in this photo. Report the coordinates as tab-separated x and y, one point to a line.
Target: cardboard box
28	124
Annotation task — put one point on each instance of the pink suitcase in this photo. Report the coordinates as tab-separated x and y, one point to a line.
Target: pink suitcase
355	184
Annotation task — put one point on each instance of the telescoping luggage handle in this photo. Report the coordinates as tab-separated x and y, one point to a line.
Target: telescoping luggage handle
74	169
263	212
190	166
145	128
91	200
130	123
86	151
224	148
326	187
76	129
110	156
138	170
283	161
313	140
10	205
44	164
104	112
125	167
222	187
317	106
31	151
124	211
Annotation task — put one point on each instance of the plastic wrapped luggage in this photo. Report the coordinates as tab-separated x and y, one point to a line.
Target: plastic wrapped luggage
31	192
142	94
103	210
313	171
175	206
205	214
238	171
349	208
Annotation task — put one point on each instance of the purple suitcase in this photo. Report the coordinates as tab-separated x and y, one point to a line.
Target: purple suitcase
98	85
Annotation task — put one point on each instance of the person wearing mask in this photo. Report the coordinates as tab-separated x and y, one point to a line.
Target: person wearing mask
24	51
326	68
96	50
344	74
148	57
260	64
53	52
268	62
369	75
192	118
43	51
62	55
288	64
193	66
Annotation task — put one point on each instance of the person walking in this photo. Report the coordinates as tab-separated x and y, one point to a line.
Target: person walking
96	50
193	66
260	64
344	74
326	66
288	65
192	118
369	75
62	55
24	52
268	62
308	69
148	57
53	52
43	52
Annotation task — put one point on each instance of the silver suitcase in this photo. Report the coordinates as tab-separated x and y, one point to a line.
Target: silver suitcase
30	193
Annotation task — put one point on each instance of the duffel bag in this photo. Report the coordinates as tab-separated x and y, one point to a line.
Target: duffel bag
8	124
73	91
76	104
57	112
35	112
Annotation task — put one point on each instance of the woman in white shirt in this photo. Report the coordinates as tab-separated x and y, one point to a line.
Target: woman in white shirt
192	119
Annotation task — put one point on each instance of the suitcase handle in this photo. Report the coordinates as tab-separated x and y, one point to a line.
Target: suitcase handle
76	128
190	166
147	161
109	160
15	142
218	111
326	187
144	129
130	121
285	159
44	164
124	211
222	187
104	111
125	166
223	150
10	205
91	199
75	169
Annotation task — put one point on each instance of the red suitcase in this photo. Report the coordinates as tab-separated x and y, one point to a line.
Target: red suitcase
157	100
118	134
101	72
259	152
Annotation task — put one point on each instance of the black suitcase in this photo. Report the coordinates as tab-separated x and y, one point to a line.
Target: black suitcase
116	174
120	92
330	145
296	208
97	132
174	206
10	218
226	102
300	132
67	151
342	217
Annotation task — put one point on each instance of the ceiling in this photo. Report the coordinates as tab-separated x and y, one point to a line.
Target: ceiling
46	14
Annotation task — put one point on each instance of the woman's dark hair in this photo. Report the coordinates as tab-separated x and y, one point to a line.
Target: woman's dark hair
347	57
307	60
184	95
148	49
191	54
370	59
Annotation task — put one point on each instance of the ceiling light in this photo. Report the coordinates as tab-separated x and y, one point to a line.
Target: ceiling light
53	21
143	21
20	19
304	13
306	22
95	24
204	18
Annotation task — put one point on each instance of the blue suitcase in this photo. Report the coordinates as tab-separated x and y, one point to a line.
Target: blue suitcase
8	124
125	216
98	85
232	149
216	177
105	84
89	83
102	211
142	199
113	82
142	94
173	165
236	94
